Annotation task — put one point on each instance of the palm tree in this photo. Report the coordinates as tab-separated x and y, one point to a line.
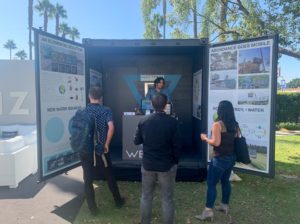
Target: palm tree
74	33
45	9
59	12
164	16
64	29
30	21
10	44
21	54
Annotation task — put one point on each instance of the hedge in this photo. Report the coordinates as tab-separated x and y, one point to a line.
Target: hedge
288	126
288	107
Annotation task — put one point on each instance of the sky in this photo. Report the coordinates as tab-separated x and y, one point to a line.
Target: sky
96	19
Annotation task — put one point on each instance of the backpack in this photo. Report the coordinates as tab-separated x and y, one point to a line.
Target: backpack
82	131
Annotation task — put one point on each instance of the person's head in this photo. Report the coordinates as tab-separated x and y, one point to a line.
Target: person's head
159	102
95	94
226	114
159	83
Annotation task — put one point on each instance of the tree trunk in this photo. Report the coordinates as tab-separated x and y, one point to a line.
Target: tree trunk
57	25
30	18
9	53
164	15
45	21
195	18
223	21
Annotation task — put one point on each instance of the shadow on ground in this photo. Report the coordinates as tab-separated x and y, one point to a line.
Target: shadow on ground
28	188
69	210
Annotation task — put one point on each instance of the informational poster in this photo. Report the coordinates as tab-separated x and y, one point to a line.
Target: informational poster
61	91
197	90
242	74
95	78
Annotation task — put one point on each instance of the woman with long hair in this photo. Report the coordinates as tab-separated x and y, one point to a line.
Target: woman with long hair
224	131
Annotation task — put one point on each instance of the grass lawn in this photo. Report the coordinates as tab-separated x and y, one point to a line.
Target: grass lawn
255	200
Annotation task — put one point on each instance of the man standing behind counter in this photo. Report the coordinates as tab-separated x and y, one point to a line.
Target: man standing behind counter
159	87
159	134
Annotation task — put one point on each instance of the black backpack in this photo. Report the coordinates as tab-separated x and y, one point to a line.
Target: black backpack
82	131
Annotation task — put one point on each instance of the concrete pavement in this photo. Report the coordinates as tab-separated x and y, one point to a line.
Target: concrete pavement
57	200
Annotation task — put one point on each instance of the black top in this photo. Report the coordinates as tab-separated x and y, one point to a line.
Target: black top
160	136
227	142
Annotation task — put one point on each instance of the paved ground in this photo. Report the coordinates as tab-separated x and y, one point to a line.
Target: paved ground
56	201
283	133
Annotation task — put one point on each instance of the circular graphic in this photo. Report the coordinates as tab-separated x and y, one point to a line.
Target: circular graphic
260	132
54	129
62	89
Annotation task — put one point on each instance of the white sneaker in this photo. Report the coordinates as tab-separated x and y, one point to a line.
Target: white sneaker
234	177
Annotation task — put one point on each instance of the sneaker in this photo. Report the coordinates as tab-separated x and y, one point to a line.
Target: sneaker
120	203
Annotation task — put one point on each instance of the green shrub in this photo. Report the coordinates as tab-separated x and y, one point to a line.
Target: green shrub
288	125
288	107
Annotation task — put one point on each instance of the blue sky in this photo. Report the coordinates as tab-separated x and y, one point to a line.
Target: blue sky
98	19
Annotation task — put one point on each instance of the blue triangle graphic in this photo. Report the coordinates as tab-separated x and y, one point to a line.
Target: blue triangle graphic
131	79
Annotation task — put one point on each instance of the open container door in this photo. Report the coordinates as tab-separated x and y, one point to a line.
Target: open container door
60	91
244	72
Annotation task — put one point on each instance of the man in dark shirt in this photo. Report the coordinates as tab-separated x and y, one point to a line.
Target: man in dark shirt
160	137
100	162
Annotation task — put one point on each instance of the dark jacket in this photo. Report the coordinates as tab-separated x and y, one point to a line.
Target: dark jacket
160	136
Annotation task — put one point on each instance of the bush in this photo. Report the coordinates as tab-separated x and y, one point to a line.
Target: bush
288	107
288	125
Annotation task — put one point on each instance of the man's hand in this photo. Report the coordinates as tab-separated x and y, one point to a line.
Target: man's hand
106	148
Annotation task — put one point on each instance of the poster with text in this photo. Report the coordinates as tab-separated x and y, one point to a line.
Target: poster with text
95	78
242	74
197	90
61	91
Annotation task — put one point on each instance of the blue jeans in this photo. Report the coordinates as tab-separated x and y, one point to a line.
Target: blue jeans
167	182
219	169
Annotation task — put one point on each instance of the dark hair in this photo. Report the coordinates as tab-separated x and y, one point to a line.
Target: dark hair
95	92
159	102
226	115
157	80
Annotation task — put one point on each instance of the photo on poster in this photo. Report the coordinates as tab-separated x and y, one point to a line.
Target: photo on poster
258	152
253	98
223	61
254	81
255	60
56	59
223	80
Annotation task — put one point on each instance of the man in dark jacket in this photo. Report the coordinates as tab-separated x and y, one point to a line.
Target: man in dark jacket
161	141
101	162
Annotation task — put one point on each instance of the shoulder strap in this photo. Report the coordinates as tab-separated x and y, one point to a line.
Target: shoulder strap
223	127
239	132
96	134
